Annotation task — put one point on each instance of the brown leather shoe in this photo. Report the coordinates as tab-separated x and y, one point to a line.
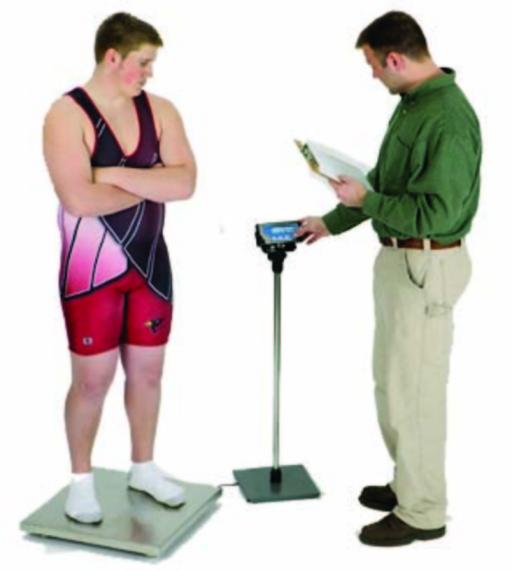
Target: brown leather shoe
379	498
392	531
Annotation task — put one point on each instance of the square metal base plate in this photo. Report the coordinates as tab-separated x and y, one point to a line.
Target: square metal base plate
132	521
296	483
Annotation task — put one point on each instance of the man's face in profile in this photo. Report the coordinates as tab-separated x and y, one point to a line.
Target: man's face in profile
383	72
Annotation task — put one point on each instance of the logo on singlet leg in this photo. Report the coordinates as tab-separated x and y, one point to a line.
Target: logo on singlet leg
87	340
154	324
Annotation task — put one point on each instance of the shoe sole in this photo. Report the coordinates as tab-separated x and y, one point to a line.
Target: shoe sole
174	506
376	506
426	535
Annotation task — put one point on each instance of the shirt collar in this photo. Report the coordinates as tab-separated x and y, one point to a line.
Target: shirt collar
432	84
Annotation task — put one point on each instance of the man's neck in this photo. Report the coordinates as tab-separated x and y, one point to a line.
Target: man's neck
421	73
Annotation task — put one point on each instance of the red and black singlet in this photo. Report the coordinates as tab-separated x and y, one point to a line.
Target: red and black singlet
99	250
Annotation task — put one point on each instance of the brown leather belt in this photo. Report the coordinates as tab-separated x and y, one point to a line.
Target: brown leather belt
417	243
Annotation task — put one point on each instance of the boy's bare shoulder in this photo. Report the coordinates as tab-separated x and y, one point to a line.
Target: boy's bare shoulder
63	109
162	106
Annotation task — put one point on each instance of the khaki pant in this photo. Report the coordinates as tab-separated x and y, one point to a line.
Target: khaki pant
415	292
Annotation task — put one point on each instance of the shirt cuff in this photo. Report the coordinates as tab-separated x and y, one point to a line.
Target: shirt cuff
371	204
332	222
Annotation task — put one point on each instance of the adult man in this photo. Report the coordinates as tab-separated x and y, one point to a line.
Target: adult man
115	155
426	184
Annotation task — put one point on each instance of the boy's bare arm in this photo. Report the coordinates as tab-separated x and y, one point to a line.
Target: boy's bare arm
68	163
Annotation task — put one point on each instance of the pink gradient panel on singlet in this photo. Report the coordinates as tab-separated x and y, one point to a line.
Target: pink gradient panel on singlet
67	225
111	261
83	255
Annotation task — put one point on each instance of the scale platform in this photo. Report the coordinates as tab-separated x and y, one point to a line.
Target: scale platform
257	487
132	521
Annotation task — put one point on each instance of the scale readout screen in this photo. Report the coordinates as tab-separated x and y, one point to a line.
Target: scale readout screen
280	232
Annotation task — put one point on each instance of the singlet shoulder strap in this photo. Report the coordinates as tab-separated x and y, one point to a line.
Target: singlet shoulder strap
82	99
147	119
108	153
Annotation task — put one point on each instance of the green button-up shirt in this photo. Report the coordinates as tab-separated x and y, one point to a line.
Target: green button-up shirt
427	177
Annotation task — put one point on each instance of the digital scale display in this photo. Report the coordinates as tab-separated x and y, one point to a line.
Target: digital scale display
277	238
279	232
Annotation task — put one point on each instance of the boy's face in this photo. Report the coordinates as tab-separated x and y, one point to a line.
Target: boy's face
136	68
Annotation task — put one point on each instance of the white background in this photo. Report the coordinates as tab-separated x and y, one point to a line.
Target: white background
248	77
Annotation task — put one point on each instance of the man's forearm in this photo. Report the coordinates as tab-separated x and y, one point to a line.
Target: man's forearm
157	184
342	219
100	199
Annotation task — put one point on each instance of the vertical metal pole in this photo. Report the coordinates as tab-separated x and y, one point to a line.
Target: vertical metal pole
277	363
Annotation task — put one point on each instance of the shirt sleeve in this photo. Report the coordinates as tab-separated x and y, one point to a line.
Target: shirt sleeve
371	175
343	218
443	170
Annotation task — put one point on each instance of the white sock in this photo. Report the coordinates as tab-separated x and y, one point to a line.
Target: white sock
75	477
82	504
148	477
143	466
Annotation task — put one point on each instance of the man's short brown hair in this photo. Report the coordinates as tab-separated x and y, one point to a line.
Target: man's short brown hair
124	33
395	31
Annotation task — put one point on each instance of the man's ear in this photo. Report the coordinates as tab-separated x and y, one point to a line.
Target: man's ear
395	61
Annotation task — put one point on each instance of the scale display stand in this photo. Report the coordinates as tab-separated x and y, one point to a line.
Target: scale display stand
288	482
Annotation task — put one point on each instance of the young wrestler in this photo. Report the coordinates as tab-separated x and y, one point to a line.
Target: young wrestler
116	154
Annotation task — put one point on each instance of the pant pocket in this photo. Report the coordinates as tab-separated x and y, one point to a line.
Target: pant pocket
416	264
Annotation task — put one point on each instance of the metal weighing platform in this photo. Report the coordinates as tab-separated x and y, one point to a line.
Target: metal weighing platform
132	521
